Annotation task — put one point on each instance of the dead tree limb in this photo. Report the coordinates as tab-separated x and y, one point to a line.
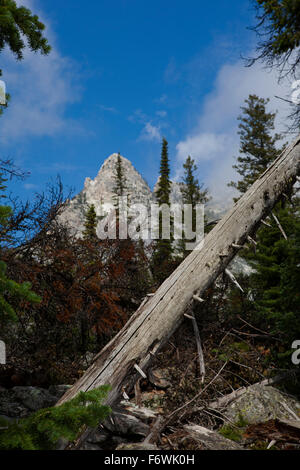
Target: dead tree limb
154	322
199	348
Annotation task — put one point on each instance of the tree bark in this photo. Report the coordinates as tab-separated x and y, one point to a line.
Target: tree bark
155	321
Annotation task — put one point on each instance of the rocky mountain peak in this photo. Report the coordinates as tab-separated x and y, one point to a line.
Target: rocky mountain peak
100	192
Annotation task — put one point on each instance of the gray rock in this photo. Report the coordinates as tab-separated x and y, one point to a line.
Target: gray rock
159	378
262	403
10	406
117	440
125	425
58	390
19	402
34	398
137	446
97	437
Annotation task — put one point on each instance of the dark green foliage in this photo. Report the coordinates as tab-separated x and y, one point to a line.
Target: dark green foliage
11	293
275	284
164	184
162	256
90	223
278	30
192	194
274	302
257	144
43	429
120	179
17	24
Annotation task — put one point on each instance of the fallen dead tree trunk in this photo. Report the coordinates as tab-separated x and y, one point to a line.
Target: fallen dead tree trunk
129	354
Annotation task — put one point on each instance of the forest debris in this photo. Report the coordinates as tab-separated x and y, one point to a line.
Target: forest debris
158	378
233	279
279	225
139	370
199	347
210	439
281	433
123	424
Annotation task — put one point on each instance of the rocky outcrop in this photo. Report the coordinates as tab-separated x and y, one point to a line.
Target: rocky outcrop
20	402
262	403
100	192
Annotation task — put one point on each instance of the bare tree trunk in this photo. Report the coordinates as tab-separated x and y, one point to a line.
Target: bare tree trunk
155	321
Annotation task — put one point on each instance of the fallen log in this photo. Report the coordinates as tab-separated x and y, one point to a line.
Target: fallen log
211	440
156	319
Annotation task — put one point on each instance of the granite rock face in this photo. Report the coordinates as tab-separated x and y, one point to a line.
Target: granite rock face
20	402
100	192
263	403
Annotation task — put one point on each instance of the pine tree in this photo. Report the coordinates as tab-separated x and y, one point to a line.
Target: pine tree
17	24
90	223
119	178
192	194
274	285
257	144
43	429
164	184
275	282
279	34
162	255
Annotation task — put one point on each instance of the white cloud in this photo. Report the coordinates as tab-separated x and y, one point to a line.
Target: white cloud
214	138
150	132
41	87
203	146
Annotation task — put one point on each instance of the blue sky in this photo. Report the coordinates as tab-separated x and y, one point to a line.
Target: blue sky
123	74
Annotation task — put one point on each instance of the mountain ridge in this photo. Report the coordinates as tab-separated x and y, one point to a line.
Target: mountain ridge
99	191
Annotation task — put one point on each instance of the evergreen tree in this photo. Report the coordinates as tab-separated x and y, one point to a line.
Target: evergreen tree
164	184
90	223
257	144
119	178
192	194
43	429
162	256
274	285
278	30
276	279
17	24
